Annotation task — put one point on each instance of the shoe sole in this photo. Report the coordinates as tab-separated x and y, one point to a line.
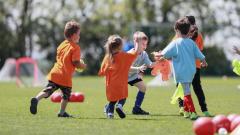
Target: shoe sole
134	113
33	107
120	113
140	114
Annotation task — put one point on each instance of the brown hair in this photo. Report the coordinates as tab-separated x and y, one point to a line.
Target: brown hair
182	25
113	43
191	19
193	32
71	27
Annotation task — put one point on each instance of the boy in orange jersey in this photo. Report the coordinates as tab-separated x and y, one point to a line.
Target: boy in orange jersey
60	76
115	67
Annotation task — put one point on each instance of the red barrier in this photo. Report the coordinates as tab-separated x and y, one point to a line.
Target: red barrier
75	97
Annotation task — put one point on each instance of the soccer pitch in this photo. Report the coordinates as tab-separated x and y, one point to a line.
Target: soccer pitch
222	95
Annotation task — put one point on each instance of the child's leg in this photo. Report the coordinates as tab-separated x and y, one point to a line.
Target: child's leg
188	103
141	93
122	102
45	93
110	109
66	93
119	108
41	95
197	87
139	99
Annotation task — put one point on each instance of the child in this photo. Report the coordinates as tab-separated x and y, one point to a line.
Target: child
134	77
196	83
115	67
183	52
60	76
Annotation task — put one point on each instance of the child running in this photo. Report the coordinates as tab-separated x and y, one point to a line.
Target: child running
141	63
60	76
115	67
196	83
183	52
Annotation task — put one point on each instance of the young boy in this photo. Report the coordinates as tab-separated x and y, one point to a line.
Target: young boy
134	77
196	83
183	52
60	76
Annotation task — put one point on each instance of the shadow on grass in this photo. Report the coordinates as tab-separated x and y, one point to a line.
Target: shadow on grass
165	115
152	117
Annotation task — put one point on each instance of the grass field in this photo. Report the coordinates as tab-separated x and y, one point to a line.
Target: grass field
223	97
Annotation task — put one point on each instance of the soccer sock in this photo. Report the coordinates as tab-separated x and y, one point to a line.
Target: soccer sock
139	99
190	104
185	105
122	102
110	108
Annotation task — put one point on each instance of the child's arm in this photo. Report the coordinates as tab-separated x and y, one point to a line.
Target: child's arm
138	45
79	64
204	63
138	69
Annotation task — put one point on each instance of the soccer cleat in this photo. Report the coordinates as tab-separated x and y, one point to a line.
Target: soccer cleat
139	111
120	112
33	106
65	115
181	111
193	116
207	114
110	115
186	114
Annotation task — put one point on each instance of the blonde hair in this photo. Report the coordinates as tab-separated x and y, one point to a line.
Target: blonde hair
140	35
113	43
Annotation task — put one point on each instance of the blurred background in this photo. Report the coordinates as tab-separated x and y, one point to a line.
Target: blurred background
34	28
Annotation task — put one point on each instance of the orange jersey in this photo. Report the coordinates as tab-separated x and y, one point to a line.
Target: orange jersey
63	69
117	75
199	42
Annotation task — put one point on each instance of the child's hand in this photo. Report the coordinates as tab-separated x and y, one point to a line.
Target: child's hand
142	68
82	64
204	64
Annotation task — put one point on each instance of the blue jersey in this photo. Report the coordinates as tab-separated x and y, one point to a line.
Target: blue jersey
183	52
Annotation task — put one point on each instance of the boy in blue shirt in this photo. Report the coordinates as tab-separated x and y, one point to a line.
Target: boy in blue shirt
183	52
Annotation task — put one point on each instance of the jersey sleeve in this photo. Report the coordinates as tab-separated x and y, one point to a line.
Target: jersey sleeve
102	71
130	56
76	54
170	51
199	42
197	53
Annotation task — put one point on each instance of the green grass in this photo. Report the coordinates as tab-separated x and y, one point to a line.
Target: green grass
223	97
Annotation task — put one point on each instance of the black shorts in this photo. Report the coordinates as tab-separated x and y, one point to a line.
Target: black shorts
51	87
134	81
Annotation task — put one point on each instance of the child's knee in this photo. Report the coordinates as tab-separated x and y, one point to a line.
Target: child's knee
66	93
143	88
49	90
